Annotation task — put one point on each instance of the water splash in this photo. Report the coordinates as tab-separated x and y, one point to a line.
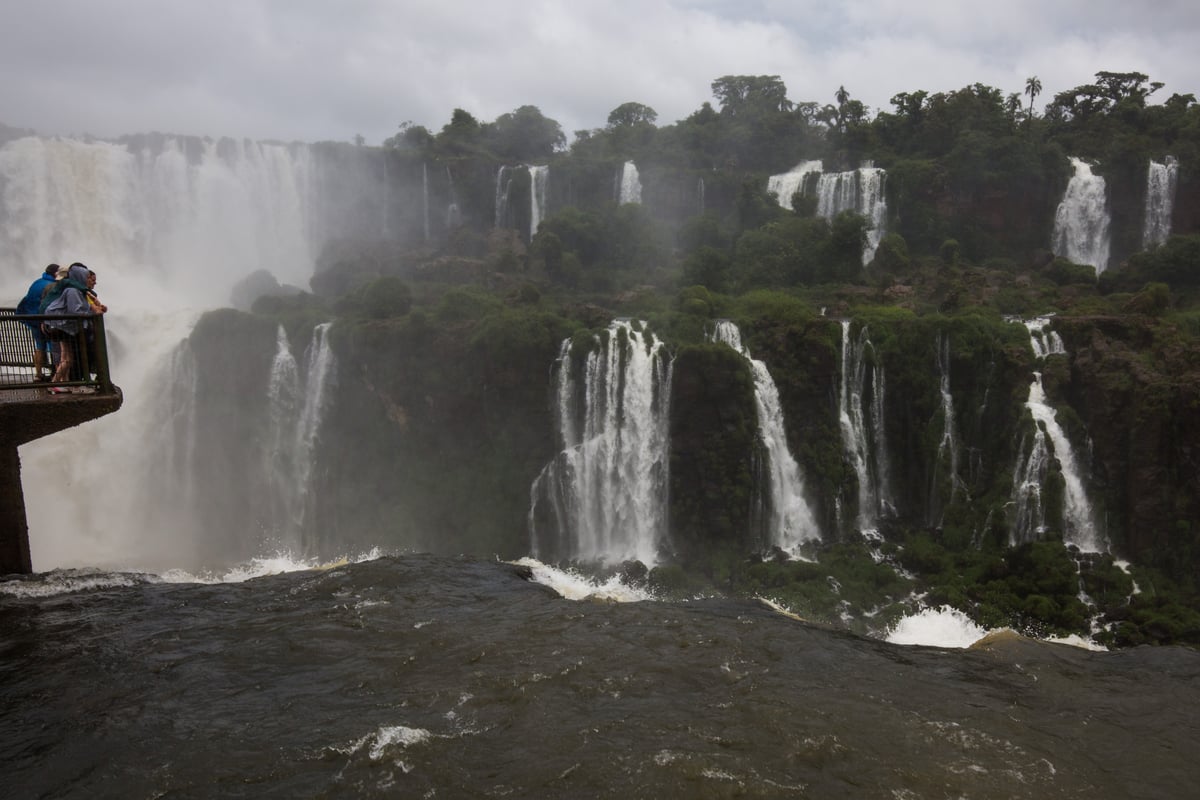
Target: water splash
937	627
791	522
604	497
1082	220
574	585
863	431
1161	180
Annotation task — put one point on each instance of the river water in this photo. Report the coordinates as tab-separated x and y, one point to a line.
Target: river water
422	676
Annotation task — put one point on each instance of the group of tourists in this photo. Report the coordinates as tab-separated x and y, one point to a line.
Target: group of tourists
59	340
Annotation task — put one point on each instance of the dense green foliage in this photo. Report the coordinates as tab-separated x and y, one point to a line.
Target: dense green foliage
446	344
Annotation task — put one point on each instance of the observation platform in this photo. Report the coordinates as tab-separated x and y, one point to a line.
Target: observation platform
32	407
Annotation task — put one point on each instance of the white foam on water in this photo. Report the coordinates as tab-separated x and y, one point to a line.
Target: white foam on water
573	585
937	627
67	581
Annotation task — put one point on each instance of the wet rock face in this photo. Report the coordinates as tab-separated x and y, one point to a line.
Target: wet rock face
1136	387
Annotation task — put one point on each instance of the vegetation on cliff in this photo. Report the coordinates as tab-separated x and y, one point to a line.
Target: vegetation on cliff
443	413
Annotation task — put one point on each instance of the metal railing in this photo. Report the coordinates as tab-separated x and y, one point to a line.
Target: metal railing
88	353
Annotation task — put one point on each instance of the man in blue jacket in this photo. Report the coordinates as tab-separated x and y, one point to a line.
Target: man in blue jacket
29	305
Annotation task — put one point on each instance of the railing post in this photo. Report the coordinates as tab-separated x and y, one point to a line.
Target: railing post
102	375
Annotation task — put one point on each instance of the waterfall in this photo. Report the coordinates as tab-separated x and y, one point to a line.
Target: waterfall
170	224
791	521
1082	219
860	191
604	497
179	215
946	462
1044	343
318	383
1161	180
629	187
453	215
700	195
295	412
538	177
425	197
863	431
1047	443
284	395
785	185
503	185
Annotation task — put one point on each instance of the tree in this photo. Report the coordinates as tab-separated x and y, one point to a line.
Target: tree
411	136
525	135
760	93
1033	87
630	114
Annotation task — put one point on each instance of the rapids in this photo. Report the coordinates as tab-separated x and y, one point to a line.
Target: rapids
418	676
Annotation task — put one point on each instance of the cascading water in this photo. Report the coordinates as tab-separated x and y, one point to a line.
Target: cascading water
1161	180
538	177
284	396
860	191
863	431
700	195
453	215
784	186
791	522
170	224
945	470
503	186
629	186
1082	219
425	198
1047	443
604	497
319	381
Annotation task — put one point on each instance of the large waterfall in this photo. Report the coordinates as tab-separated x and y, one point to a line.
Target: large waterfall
1046	444
790	522
604	497
629	184
860	190
538	178
170	224
863	428
177	215
1161	180
1082	219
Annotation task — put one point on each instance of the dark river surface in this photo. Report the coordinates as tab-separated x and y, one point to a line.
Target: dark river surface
420	676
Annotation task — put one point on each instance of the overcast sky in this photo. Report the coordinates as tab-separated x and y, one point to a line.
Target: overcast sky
313	70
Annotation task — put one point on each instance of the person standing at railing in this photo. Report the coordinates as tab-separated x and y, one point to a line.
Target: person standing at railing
29	305
67	296
97	308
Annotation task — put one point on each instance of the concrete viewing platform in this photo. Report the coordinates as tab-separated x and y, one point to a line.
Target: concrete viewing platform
31	407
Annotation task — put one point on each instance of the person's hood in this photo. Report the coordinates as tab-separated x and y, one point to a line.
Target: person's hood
78	273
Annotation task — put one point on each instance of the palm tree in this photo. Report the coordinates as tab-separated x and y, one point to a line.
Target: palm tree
1033	87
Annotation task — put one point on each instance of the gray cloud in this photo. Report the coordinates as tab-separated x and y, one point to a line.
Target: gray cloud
314	70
